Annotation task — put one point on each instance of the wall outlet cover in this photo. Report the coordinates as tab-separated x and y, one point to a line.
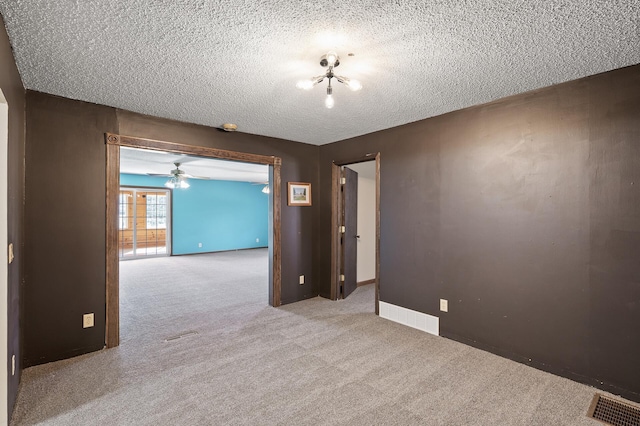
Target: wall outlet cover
444	305
301	279
87	320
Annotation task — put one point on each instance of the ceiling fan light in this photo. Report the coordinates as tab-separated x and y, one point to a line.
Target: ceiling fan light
305	84
266	189
332	57
329	102
177	181
354	85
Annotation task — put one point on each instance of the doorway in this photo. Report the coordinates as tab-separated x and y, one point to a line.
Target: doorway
143	222
348	268
113	145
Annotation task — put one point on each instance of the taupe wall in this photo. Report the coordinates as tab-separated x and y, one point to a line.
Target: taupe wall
14	92
524	214
65	215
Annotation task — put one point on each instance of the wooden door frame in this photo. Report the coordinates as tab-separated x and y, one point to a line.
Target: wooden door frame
336	208
113	144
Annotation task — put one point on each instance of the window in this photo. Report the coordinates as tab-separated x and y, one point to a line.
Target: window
123	207
156	211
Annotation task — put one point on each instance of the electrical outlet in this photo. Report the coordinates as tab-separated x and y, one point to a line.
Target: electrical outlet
200	245
301	279
87	320
444	305
13	365
257	240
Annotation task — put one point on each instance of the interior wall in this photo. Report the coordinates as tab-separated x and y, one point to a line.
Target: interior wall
525	215
14	92
65	216
222	215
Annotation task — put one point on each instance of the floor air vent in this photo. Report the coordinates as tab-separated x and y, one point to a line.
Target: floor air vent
180	336
612	412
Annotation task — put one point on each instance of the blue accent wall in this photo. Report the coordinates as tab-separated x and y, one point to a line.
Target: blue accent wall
220	214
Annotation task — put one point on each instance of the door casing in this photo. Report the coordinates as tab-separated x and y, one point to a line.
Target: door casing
113	144
336	214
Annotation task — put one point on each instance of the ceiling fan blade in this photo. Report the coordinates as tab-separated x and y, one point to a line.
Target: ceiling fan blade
196	177
159	174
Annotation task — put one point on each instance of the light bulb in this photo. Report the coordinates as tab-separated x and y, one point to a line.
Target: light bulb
354	85
332	57
305	84
329	102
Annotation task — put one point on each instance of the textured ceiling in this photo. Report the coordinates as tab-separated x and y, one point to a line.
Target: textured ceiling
144	161
211	62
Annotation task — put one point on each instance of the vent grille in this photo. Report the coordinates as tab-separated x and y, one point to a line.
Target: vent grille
180	336
612	412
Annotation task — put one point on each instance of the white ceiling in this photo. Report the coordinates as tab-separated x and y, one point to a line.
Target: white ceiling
144	161
211	62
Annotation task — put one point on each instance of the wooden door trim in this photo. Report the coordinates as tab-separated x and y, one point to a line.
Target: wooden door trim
112	327
336	205
113	144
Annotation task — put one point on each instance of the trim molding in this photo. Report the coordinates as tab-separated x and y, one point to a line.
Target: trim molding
414	319
113	144
361	283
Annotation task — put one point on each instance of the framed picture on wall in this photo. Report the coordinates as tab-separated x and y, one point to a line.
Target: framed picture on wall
299	194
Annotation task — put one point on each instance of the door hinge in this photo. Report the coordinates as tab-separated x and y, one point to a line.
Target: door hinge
343	181
341	277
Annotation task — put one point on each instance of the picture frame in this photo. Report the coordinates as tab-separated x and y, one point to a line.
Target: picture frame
299	194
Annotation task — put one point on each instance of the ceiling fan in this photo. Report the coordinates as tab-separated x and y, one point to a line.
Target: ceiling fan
178	178
266	188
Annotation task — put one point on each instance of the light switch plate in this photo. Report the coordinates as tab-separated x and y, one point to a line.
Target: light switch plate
444	305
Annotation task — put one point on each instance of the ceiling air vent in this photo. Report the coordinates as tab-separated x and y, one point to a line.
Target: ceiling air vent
613	412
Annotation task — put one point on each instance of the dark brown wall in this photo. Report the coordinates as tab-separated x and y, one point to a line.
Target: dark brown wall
524	214
14	92
65	215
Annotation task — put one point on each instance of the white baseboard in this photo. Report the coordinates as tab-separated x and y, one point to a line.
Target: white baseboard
408	317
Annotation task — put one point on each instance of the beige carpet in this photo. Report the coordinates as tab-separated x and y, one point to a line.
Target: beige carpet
315	362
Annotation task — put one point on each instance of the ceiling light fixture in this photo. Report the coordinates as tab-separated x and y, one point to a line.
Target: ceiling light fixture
266	189
177	180
329	61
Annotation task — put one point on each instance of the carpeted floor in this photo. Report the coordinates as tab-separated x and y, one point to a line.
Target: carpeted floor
315	362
